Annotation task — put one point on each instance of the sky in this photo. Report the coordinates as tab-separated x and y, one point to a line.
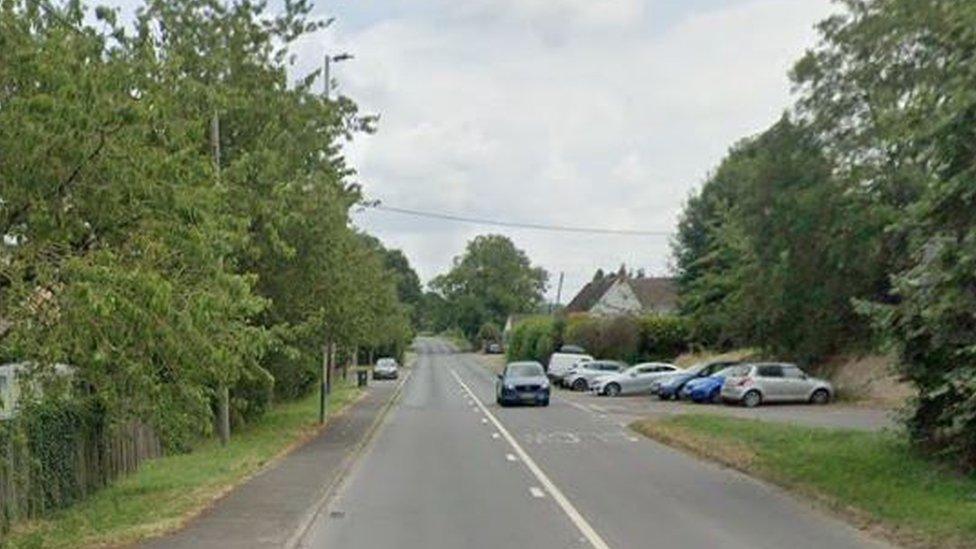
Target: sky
587	113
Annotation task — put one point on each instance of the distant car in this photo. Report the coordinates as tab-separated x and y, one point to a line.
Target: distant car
775	382
587	372
386	368
522	382
493	348
708	389
671	388
636	379
561	363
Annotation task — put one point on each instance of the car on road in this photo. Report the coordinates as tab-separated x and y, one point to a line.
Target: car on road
561	363
522	382
586	373
493	348
386	368
708	389
775	382
636	379
671	388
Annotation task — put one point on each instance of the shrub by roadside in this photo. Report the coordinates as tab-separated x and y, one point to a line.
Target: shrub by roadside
872	479
168	491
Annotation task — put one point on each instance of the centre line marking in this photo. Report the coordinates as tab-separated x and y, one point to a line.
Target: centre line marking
536	492
577	519
510	457
484	420
495	435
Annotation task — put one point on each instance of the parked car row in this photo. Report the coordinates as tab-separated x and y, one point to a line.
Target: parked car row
746	383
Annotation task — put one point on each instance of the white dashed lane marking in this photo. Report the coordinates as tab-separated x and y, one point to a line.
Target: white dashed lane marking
537	492
511	457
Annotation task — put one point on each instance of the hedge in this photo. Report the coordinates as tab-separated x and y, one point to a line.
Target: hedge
628	338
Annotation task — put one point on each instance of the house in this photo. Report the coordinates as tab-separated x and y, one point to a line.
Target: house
622	293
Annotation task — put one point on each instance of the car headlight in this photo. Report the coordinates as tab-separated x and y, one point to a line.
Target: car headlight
509	386
545	385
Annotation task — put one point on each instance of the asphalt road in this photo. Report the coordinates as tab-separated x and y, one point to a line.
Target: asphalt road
450	469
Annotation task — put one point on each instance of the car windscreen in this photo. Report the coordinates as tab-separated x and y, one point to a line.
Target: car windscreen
524	370
386	362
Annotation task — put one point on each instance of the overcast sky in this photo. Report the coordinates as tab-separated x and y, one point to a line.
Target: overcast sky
596	113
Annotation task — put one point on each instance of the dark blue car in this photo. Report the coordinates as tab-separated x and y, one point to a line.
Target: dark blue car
707	389
522	383
671	389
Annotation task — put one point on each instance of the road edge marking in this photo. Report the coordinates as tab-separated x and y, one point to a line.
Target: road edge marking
345	467
574	515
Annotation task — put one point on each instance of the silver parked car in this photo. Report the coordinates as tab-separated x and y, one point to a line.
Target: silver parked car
753	384
587	372
386	368
636	379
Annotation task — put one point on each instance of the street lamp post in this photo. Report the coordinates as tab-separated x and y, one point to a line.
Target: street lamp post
329	59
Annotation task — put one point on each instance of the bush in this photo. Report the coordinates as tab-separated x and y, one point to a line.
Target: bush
489	333
533	339
252	396
629	338
664	337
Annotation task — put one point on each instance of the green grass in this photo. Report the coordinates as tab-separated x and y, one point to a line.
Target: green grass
165	492
873	479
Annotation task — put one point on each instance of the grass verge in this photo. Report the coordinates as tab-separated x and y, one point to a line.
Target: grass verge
871	479
167	492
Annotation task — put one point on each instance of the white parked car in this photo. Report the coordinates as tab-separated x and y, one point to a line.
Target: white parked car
636	379
561	363
587	372
386	368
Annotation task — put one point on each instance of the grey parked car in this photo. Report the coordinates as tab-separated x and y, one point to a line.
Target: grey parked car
587	372
753	384
636	379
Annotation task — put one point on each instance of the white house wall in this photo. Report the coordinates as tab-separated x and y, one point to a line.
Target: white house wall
618	299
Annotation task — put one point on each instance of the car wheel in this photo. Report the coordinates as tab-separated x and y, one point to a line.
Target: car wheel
820	396
751	399
544	403
662	396
579	385
612	389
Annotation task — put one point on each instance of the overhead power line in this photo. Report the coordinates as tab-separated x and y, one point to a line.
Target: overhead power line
514	224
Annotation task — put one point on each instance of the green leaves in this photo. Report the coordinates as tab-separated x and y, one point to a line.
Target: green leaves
124	255
492	280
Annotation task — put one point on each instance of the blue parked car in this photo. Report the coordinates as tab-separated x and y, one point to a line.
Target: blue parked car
708	389
671	389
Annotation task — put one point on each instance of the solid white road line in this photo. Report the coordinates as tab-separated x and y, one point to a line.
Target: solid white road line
577	519
536	492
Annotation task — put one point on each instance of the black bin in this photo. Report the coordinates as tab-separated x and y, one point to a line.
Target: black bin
362	377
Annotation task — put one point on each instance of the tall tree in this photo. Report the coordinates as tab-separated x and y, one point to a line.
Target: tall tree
492	280
891	89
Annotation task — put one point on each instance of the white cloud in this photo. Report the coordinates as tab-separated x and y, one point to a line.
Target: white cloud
575	112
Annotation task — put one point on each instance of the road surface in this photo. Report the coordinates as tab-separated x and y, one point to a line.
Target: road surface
451	469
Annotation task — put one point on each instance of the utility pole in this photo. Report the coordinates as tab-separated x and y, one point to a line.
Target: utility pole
559	290
223	391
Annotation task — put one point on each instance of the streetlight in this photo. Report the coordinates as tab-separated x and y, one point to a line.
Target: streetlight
329	59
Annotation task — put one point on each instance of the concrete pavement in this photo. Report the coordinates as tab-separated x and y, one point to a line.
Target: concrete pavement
272	508
451	469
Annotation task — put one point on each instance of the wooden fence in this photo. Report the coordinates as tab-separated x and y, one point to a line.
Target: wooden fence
35	480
